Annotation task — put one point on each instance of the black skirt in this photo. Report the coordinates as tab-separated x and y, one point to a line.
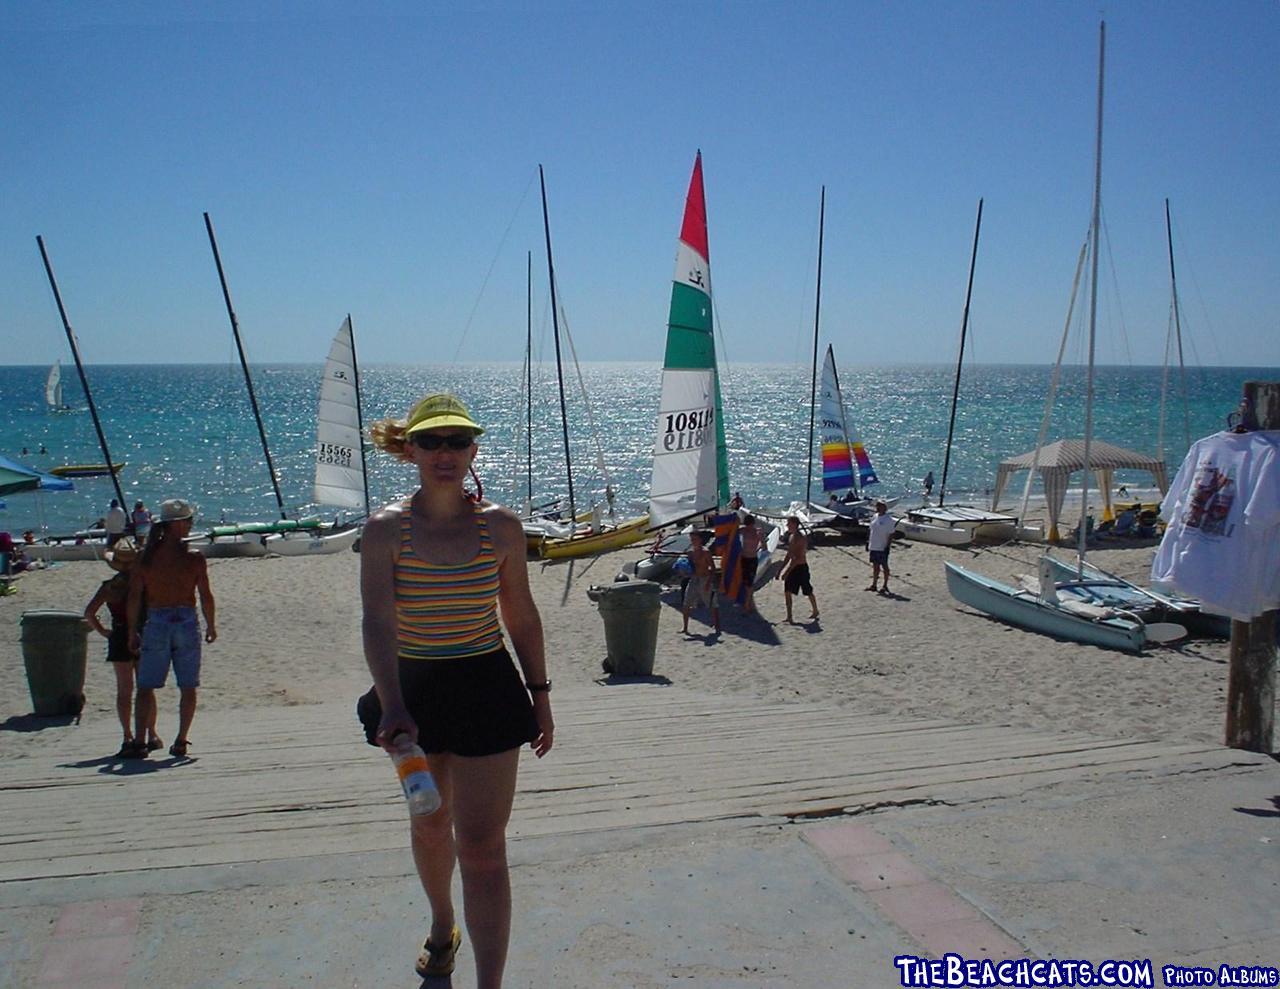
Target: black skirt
474	706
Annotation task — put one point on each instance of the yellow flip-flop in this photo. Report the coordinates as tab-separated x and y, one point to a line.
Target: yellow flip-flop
439	960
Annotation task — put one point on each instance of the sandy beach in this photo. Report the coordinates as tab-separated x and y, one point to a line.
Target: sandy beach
289	634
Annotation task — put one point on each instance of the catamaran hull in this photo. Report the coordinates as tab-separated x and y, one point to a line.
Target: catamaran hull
596	542
935	534
225	547
313	543
1026	610
1150	607
64	552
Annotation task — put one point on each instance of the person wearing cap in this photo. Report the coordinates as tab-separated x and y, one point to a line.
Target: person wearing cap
114	593
170	575
437	571
879	538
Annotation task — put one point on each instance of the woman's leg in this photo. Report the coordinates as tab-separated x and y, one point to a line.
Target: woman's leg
124	697
433	852
483	791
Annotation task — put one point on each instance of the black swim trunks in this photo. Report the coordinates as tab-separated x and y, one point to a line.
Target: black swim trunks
797	580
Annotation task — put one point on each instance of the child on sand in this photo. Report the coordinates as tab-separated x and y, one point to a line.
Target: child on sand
701	588
114	593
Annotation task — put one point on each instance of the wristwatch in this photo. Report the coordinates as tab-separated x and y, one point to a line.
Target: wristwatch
544	687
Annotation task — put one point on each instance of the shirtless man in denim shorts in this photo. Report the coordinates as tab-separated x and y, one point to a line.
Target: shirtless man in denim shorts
170	575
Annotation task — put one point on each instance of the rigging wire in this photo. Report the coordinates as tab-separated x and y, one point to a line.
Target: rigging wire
502	243
1115	288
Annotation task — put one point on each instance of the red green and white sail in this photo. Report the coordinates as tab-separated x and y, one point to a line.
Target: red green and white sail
690	459
840	449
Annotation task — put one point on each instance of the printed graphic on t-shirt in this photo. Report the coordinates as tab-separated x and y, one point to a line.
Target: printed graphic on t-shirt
1212	495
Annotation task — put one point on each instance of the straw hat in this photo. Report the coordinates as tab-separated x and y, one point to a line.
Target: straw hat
121	555
175	510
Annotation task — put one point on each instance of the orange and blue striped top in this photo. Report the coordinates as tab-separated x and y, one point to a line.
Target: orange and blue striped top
447	611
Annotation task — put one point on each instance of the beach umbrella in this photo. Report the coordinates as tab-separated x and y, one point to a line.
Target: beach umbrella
14	477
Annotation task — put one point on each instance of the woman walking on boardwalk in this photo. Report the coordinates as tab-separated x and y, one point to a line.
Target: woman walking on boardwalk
435	573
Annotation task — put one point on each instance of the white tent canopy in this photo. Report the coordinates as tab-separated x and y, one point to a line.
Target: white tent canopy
1059	460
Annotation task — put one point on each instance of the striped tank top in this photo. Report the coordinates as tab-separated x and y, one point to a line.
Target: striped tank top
446	611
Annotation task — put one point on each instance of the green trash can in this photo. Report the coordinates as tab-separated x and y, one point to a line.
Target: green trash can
630	610
55	646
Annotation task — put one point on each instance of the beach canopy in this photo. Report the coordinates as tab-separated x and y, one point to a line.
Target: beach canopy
1062	458
14	478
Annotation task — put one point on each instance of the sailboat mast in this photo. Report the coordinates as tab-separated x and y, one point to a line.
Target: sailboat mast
1082	528
1177	326
84	379
528	383
813	383
244	365
355	370
964	330
555	324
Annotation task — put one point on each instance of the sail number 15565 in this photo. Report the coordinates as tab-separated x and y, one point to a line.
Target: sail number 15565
687	430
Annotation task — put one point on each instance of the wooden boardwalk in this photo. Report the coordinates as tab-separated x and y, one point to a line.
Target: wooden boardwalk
273	784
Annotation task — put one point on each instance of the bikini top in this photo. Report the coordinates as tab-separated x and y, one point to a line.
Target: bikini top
446	611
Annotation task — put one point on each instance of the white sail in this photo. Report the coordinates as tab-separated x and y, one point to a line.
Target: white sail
53	386
690	464
684	481
339	457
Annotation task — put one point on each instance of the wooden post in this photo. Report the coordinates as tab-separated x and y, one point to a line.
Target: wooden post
1251	679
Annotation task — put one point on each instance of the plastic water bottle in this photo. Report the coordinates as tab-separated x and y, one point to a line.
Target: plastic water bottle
415	777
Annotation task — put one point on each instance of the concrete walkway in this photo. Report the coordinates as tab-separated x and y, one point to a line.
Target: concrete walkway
671	837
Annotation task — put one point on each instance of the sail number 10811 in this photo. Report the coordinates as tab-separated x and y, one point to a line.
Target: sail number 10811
687	430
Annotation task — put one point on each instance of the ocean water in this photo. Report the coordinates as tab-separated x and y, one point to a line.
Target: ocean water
187	430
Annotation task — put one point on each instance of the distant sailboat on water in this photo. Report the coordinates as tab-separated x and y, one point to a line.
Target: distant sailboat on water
53	389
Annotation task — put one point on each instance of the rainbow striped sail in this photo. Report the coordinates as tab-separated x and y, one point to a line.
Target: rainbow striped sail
840	450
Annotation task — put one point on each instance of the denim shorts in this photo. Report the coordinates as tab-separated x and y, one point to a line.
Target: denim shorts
171	637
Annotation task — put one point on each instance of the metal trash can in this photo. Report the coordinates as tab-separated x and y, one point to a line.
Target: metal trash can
630	610
55	646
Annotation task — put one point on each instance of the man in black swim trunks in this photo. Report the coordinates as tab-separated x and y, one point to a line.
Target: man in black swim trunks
795	569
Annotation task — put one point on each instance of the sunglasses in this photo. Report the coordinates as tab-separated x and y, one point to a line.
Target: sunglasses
433	441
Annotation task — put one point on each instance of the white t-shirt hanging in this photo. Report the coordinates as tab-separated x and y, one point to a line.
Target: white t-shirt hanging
1222	543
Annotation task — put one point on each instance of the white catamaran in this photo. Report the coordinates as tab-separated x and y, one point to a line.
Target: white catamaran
1042	603
341	479
690	457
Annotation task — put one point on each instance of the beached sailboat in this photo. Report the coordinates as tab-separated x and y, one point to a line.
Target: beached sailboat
602	533
341	477
690	476
1043	604
852	514
244	538
690	459
94	542
957	525
1090	583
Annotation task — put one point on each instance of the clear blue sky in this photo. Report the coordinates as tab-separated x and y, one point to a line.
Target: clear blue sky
384	162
